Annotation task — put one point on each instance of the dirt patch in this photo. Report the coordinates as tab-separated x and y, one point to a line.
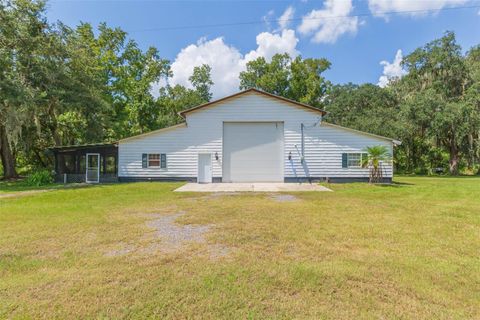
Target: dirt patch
168	237
121	251
216	195
174	235
284	197
218	251
20	193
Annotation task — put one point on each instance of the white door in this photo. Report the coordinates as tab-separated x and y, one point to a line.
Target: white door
93	168
253	152
204	168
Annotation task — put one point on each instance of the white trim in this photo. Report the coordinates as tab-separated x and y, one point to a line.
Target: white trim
98	167
395	142
354	167
183	124
255	91
159	161
198	166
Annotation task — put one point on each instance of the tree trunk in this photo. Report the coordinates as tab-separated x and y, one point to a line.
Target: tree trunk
471	152
454	160
60	168
39	158
6	155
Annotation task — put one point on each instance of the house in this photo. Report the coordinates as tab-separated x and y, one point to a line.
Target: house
250	136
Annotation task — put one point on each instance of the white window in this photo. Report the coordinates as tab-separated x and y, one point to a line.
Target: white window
354	160
153	160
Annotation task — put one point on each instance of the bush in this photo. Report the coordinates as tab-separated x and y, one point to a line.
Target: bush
40	178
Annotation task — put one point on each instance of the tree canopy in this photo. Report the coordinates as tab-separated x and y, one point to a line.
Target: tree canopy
297	79
61	86
434	109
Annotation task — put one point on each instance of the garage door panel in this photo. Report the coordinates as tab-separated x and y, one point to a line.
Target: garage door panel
253	151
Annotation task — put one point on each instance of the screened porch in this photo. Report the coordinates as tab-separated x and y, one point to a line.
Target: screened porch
92	163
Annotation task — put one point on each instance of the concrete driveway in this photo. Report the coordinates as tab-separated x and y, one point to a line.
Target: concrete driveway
250	187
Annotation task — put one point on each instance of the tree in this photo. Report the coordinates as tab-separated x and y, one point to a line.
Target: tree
365	107
297	79
68	86
271	77
201	81
472	97
62	85
70	101
174	99
376	155
135	75
433	96
22	30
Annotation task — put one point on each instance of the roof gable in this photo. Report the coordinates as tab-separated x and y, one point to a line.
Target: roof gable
180	125
394	141
213	103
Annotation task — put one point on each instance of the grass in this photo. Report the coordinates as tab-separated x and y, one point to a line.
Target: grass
408	250
22	185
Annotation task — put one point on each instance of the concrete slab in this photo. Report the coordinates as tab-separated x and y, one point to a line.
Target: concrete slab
250	187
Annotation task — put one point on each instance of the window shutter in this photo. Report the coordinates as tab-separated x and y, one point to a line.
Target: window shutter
344	160
144	160
163	161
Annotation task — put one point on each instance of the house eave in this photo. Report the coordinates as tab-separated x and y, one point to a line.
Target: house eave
296	103
182	124
394	141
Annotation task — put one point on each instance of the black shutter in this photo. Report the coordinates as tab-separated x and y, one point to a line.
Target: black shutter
344	160
144	160
163	161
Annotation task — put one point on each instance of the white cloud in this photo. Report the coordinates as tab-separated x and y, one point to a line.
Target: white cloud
223	59
378	7
268	18
331	22
269	44
285	18
227	61
392	70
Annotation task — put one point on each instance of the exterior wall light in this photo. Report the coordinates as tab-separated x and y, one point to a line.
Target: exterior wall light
216	156
290	155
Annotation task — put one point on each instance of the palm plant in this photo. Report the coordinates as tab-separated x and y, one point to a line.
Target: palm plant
375	156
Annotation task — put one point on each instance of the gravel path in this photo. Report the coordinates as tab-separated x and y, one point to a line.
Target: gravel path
173	237
284	197
174	234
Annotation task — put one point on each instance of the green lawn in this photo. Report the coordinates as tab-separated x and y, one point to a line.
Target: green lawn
22	185
409	250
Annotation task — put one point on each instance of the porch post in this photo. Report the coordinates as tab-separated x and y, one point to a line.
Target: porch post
74	159
77	163
104	161
56	161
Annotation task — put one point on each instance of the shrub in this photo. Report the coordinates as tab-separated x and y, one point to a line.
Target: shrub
40	178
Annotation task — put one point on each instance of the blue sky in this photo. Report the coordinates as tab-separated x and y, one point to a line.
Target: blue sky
354	35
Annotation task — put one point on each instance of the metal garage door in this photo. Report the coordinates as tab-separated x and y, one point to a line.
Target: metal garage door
252	152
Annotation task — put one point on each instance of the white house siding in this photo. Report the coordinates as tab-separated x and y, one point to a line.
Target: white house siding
203	133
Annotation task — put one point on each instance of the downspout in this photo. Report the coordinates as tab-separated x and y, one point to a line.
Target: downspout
303	144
